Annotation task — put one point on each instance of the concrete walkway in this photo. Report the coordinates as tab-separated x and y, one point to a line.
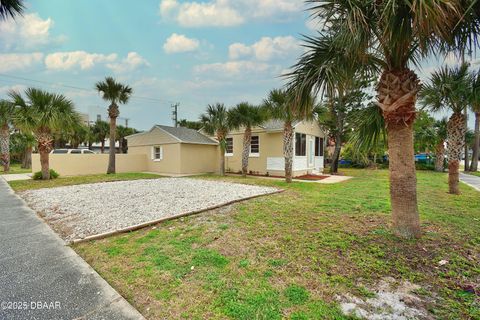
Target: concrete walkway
471	180
16	176
42	278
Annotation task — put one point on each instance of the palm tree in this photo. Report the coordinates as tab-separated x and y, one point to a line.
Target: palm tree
114	92
78	135
391	35
215	122
7	111
475	105
43	113
11	8
448	89
99	133
441	135
282	105
246	116
122	132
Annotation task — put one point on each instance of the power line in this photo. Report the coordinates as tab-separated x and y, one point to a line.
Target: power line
79	88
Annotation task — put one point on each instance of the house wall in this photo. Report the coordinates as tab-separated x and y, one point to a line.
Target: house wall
83	164
271	159
198	158
170	163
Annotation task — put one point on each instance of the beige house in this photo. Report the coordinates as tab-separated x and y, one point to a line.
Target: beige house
266	151
175	151
182	151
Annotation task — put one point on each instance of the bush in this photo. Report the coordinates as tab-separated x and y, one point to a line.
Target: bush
424	166
38	175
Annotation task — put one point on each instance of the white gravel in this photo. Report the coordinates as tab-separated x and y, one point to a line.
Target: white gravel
76	212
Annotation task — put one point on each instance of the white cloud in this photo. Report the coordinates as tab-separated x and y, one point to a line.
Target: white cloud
75	59
234	68
225	13
266	48
19	61
180	43
28	31
132	62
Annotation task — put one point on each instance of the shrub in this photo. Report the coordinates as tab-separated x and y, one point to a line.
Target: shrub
38	175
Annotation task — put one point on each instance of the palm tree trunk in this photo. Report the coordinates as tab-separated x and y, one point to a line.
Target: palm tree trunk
336	153
112	151
456	139
102	146
45	144
221	140
439	156
27	158
247	140
5	147
476	146
397	92
288	150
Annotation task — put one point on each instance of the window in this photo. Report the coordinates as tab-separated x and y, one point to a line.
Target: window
255	145
157	153
76	151
229	146
318	147
300	144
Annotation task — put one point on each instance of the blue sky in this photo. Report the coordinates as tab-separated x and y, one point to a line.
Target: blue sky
191	52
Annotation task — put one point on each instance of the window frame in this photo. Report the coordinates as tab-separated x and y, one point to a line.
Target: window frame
155	153
228	154
302	151
319	147
255	154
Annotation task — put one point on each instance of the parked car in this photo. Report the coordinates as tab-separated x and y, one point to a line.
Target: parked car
423	158
71	151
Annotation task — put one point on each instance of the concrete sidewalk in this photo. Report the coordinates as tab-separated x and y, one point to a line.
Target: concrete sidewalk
471	180
42	278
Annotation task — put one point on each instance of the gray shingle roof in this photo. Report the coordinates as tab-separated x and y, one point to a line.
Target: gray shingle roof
275	125
187	135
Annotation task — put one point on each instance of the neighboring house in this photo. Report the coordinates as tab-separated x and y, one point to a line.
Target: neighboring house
176	151
266	151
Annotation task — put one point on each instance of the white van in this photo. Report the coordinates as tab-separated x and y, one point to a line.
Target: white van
71	151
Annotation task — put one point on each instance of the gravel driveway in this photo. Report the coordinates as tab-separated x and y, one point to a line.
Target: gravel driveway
76	212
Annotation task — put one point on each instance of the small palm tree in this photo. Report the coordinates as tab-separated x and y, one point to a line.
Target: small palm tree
99	133
11	8
448	89
114	92
122	132
246	116
215	122
475	106
43	113
441	134
7	111
282	105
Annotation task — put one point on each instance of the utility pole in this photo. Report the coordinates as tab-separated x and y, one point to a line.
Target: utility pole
175	113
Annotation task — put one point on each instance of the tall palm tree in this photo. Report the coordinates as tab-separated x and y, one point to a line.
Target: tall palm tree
114	92
448	89
215	122
392	35
475	105
246	116
11	8
7	111
283	105
43	113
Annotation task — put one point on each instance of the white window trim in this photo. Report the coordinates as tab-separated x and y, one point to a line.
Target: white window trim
254	155
228	154
153	154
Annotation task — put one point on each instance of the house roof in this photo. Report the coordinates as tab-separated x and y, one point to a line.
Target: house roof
187	135
276	125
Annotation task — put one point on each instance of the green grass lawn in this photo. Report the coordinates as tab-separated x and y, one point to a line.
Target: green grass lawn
15	168
23	185
288	255
475	173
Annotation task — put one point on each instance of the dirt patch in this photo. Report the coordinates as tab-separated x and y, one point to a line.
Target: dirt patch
391	301
312	177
